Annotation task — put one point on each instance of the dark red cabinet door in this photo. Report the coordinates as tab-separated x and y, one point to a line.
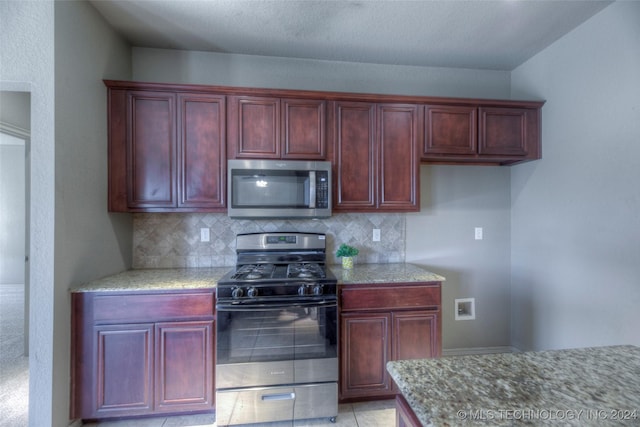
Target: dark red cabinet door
151	149
202	150
355	156
184	366
254	127
366	349
303	129
415	335
450	130
503	131
398	173
124	383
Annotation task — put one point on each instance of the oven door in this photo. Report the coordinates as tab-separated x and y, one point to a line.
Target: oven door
276	344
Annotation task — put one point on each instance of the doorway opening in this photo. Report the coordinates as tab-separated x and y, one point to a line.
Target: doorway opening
14	259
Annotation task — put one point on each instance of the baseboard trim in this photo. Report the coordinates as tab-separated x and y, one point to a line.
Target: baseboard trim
479	350
76	423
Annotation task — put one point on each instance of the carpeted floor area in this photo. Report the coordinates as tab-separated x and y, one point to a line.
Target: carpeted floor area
14	366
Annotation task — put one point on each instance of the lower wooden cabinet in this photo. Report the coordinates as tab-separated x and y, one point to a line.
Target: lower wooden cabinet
124	369
184	379
365	352
142	354
415	334
405	417
380	323
146	353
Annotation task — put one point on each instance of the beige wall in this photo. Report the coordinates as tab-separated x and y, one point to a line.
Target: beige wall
27	65
89	242
576	212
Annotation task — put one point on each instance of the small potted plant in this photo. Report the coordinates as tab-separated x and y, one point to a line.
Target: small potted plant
347	253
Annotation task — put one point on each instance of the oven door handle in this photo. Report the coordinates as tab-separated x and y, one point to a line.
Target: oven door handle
275	306
280	396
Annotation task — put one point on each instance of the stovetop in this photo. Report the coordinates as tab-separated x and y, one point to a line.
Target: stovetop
277	274
249	272
276	283
277	266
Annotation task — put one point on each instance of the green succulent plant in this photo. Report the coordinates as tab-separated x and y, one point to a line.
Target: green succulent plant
346	251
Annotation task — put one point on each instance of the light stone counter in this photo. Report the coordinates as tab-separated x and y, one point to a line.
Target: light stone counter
384	273
157	280
590	386
194	278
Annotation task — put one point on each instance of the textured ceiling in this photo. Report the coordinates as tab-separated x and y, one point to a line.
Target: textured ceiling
498	35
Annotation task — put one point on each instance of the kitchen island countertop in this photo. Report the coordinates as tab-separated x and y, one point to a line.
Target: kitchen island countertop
587	386
197	278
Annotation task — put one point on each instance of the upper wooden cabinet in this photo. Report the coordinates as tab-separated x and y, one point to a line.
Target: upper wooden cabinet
450	130
254	127
505	132
167	150
202	151
150	149
275	128
303	129
398	173
169	143
481	134
374	153
355	159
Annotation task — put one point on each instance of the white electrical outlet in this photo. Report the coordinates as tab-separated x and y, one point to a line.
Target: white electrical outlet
478	233
204	235
376	234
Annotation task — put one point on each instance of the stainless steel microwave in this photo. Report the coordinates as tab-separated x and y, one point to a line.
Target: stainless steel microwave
278	189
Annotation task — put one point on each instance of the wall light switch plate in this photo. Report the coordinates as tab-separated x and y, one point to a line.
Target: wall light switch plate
478	233
376	234
204	235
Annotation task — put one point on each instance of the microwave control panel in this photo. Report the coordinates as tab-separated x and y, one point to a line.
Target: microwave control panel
322	189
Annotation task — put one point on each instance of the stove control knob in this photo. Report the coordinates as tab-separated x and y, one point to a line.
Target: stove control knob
318	289
302	290
237	293
252	292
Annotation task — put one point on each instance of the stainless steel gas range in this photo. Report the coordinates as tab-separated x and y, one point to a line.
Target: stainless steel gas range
277	333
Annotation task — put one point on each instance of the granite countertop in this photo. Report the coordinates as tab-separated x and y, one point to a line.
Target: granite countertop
195	278
156	279
384	273
590	386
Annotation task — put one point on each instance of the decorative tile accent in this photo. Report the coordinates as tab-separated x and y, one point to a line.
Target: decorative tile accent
173	240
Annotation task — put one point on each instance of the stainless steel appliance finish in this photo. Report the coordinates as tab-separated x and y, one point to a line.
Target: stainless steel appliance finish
276	332
278	189
266	404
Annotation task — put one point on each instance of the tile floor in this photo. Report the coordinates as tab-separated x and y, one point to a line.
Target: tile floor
380	413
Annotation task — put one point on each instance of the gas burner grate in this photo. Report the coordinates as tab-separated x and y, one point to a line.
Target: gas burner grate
305	270
253	271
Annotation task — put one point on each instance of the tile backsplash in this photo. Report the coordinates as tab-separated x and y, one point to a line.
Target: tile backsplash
173	240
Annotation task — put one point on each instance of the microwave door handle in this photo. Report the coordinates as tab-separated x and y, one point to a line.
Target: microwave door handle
312	189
